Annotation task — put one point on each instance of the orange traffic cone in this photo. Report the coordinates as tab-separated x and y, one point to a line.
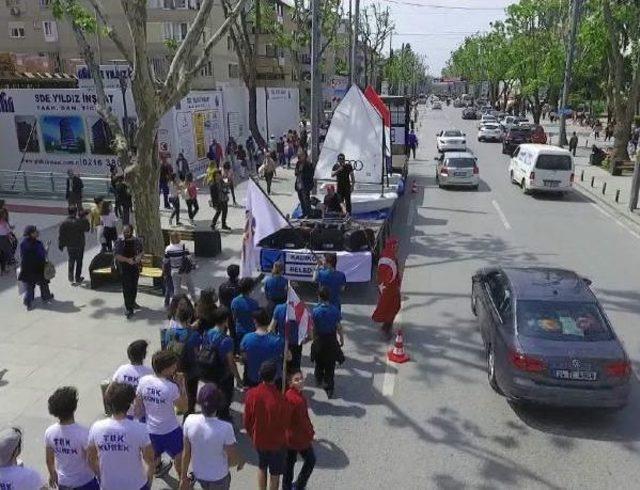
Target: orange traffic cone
414	187
397	354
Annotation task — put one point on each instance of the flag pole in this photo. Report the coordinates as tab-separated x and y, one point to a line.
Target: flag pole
286	339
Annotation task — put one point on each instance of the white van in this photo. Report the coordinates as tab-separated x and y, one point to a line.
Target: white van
542	168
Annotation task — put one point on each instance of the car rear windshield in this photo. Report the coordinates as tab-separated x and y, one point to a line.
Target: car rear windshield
460	162
554	162
553	320
517	132
452	133
490	126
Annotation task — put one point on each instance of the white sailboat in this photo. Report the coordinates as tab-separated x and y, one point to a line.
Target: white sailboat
357	130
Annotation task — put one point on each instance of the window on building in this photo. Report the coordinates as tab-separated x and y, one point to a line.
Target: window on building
207	70
183	28
175	30
234	72
50	31
16	30
270	50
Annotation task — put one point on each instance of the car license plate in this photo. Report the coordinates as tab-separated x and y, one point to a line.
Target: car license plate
551	183
576	375
459	174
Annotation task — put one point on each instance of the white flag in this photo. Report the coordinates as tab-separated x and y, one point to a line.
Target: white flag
261	220
298	312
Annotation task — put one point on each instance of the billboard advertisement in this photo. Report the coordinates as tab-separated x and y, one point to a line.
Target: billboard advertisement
56	130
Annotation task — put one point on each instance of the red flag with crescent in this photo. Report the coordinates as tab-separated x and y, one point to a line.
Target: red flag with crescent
389	282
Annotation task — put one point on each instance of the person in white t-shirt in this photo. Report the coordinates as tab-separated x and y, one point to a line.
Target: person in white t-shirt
160	394
209	444
119	449
180	262
11	475
132	372
66	444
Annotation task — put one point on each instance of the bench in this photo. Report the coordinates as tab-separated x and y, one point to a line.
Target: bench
207	243
618	166
102	269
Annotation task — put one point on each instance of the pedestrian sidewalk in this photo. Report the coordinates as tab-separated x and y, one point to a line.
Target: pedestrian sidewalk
597	183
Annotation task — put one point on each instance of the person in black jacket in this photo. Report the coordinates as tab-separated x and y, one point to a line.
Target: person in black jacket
74	190
304	182
123	196
219	191
71	235
33	257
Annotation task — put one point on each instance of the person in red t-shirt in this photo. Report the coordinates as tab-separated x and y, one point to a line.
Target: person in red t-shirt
266	419
299	435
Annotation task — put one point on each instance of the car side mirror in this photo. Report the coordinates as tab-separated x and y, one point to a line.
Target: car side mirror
587	281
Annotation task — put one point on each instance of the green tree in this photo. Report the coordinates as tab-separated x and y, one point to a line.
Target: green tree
153	97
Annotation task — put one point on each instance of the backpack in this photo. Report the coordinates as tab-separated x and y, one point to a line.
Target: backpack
210	364
179	348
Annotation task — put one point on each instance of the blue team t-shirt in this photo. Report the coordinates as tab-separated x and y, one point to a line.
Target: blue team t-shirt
334	281
275	288
326	318
192	340
225	344
258	348
242	308
280	317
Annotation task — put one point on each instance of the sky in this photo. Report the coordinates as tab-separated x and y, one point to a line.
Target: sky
436	27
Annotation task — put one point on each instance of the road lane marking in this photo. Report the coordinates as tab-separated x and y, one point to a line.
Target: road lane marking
391	371
411	216
506	224
617	221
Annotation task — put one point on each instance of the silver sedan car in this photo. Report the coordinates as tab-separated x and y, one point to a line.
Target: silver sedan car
457	168
547	339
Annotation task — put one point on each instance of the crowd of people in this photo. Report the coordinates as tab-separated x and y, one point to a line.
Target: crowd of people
196	373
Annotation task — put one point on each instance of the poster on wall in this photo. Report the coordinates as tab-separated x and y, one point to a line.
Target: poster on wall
199	119
57	129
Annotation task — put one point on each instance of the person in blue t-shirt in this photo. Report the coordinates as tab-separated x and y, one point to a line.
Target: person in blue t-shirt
218	337
327	340
260	346
278	324
275	287
243	306
327	276
186	332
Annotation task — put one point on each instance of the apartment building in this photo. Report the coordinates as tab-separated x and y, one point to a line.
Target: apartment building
34	41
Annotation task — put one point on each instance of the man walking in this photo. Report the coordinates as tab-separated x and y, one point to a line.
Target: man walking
334	280
73	193
412	143
165	176
266	419
345	179
573	143
71	236
304	182
128	254
260	346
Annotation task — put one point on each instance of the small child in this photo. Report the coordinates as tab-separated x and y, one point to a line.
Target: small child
299	434
66	444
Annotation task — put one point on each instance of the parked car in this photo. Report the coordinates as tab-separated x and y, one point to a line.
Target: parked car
515	137
451	140
543	168
436	105
458	103
547	339
469	113
490	132
457	169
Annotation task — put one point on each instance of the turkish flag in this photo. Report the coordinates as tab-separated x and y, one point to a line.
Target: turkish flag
389	281
375	100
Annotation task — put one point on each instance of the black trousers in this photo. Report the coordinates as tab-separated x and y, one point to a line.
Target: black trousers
221	208
129	276
226	386
413	150
296	355
192	208
76	255
126	215
305	202
175	201
325	371
232	188
309	462
346	198
268	176
191	387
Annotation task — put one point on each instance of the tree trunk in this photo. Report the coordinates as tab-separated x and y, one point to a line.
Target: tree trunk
536	109
144	189
622	135
253	115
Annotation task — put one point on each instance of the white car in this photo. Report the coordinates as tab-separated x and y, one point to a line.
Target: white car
436	106
451	140
490	132
544	168
486	119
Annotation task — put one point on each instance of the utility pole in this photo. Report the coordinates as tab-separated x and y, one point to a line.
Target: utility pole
315	80
355	27
350	42
575	17
635	184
